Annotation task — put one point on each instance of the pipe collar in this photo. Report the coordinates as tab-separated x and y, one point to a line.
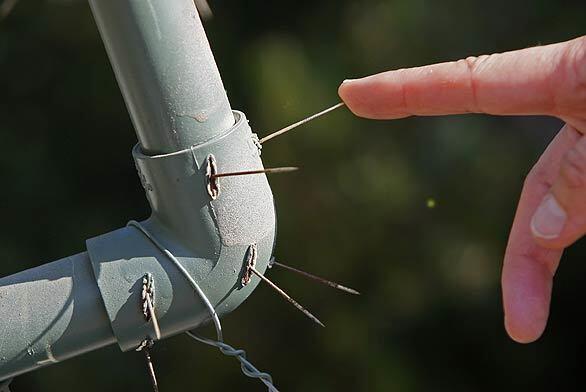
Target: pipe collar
209	237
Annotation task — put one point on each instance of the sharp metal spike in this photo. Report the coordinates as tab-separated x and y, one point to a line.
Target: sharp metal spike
298	123
314	277
151	368
153	317
287	297
260	171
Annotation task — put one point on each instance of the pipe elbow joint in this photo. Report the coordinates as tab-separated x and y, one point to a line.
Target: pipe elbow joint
208	227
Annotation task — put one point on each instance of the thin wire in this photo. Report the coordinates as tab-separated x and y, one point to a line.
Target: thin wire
298	123
287	297
268	170
153	317
148	306
186	274
148	311
314	277
145	347
247	368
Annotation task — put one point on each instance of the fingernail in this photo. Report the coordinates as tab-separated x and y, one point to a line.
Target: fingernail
549	219
348	81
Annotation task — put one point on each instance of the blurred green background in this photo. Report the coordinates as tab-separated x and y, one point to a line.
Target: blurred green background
430	315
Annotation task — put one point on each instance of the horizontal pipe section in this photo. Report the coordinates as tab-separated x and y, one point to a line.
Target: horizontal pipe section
50	313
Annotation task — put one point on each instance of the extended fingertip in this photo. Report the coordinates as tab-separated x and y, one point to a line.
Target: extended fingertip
345	88
524	333
365	98
345	91
526	311
526	299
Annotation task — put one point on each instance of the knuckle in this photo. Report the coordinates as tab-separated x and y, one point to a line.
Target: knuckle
537	176
573	168
580	145
470	63
571	77
473	62
540	255
473	65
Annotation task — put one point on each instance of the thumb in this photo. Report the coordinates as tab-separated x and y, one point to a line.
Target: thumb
560	219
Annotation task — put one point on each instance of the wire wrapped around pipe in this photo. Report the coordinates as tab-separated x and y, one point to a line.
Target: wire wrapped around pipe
248	369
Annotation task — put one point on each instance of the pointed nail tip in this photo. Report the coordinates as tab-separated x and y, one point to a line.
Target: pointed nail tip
316	320
349	290
287	169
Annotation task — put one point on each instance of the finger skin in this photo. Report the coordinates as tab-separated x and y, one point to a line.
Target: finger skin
528	267
540	80
549	80
569	190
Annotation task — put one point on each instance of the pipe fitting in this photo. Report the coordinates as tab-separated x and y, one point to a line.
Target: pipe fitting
181	113
210	237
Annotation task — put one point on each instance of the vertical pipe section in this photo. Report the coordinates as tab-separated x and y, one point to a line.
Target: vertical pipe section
175	96
50	313
166	71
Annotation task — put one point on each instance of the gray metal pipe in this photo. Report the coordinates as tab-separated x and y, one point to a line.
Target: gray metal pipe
166	71
50	313
174	93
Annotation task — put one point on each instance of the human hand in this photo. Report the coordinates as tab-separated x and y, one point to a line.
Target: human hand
551	215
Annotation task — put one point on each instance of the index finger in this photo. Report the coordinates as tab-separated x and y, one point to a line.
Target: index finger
540	80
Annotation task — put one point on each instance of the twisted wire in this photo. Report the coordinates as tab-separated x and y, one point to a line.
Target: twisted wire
248	369
186	274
